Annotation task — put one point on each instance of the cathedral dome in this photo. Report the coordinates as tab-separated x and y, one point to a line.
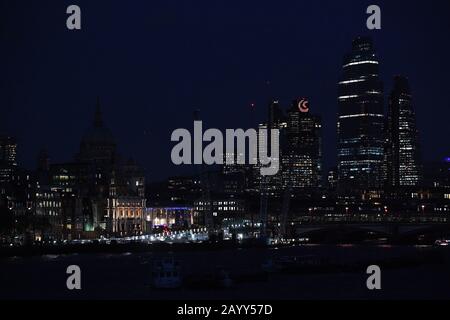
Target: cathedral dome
98	134
98	143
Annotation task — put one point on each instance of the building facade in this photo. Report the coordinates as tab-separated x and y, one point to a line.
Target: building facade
181	217
221	209
360	124
8	158
302	151
402	141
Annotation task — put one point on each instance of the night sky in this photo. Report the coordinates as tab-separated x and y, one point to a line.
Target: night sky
153	62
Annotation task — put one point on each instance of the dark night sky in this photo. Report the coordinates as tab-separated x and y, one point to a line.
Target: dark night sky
154	62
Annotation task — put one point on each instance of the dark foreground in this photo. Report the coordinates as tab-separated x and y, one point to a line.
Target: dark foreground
127	275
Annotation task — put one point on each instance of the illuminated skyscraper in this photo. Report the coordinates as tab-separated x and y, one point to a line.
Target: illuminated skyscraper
302	155
8	158
276	116
360	121
402	149
276	121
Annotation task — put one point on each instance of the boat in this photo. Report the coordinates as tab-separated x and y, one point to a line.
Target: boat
166	274
442	243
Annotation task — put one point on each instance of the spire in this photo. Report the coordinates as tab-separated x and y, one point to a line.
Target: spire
98	121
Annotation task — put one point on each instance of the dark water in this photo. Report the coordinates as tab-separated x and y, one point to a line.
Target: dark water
127	276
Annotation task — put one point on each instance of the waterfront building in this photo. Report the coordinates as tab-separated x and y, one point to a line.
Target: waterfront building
171	217
221	208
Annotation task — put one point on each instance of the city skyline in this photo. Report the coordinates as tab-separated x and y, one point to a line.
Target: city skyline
214	150
222	106
98	121
286	117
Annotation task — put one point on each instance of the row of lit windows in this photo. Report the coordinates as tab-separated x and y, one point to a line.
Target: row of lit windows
361	115
220	203
219	208
359	162
360	62
49	204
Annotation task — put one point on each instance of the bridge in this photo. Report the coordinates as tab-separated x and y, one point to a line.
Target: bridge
386	229
389	226
365	231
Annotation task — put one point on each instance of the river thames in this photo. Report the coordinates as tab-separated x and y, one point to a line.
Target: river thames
128	275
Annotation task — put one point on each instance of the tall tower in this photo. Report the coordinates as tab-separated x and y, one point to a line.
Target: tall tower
360	121
276	116
402	149
302	157
8	150
275	121
8	158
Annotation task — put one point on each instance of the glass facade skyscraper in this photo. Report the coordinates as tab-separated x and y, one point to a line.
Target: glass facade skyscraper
302	154
360	121
276	120
402	148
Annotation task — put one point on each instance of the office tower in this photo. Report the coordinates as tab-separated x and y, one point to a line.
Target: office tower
8	158
402	148
276	117
276	121
360	121
263	142
302	154
8	150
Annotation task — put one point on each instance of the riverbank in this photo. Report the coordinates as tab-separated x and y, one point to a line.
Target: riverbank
145	246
